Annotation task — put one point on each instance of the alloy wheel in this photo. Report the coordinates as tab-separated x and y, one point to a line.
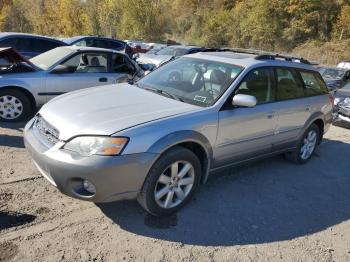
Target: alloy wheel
309	144
174	184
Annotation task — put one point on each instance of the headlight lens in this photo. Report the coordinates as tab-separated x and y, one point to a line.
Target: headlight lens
97	145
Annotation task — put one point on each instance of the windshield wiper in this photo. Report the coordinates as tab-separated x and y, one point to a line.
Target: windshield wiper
162	92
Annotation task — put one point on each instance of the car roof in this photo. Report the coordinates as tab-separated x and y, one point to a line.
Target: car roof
334	68
6	34
83	48
77	38
249	60
187	47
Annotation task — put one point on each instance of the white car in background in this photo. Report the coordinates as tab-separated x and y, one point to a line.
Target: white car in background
28	84
344	64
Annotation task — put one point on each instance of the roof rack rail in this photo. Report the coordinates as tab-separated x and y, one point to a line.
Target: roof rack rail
264	55
285	57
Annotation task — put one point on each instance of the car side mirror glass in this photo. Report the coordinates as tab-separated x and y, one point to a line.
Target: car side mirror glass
242	100
62	69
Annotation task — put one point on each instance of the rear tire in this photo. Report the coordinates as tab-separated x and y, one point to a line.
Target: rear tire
306	146
14	106
171	182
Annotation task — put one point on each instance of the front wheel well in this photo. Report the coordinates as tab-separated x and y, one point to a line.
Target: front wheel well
202	155
24	91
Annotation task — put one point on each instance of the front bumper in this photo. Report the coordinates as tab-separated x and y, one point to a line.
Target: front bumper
115	177
342	114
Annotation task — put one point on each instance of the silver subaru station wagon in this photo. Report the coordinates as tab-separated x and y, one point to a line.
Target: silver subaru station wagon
157	140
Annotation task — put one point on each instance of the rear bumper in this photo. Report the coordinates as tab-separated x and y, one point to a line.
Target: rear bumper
114	177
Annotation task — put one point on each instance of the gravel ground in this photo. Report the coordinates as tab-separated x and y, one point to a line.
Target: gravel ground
271	210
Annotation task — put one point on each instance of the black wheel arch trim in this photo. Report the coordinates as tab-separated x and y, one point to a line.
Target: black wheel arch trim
179	137
314	117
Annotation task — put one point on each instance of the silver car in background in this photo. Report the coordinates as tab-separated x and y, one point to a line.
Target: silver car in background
26	85
157	140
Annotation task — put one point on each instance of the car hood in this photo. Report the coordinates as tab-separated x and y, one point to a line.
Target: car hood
154	59
333	83
342	93
108	109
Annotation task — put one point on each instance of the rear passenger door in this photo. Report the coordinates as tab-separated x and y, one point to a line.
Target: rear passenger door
293	107
244	132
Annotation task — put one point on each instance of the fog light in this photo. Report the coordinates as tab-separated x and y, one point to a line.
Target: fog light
88	186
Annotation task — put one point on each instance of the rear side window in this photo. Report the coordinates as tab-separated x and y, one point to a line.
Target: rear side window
21	44
42	45
8	42
115	45
80	43
101	43
120	64
289	85
313	83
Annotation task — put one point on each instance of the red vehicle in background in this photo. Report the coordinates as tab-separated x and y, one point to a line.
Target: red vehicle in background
140	48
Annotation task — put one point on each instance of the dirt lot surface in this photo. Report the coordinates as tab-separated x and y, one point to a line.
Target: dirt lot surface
270	210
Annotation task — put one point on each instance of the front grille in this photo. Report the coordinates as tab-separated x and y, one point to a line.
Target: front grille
45	132
344	110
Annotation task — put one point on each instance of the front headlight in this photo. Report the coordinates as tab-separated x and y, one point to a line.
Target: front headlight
97	145
336	100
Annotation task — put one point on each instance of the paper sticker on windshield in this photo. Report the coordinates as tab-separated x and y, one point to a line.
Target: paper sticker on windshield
200	98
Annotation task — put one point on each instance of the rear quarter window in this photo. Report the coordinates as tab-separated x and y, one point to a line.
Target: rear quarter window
115	45
19	43
314	84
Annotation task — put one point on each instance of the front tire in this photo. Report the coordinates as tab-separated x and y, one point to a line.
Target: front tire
306	146
14	106
171	182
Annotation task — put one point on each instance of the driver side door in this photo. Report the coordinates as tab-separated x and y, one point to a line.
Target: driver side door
85	69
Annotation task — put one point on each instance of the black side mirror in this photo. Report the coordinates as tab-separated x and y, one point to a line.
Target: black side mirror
147	67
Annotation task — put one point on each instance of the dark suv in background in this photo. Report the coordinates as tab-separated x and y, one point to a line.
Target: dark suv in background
102	42
29	45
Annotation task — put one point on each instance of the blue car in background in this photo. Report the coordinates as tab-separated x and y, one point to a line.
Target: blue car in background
29	45
101	42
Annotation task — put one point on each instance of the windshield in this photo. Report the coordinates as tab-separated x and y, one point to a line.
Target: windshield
333	73
49	58
194	81
173	51
347	86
